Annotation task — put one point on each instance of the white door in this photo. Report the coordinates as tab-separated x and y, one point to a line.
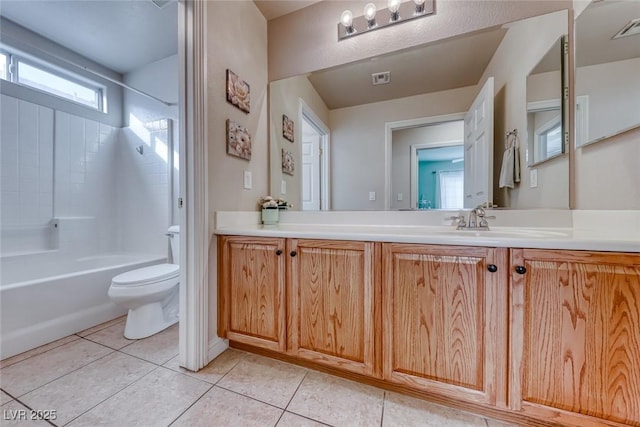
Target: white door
478	149
310	168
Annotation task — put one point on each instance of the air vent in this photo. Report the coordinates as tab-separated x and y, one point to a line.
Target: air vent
631	29
381	78
161	3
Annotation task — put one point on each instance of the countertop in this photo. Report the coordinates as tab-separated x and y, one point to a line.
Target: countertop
593	238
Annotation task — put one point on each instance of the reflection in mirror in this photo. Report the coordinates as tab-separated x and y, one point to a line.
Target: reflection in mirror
607	81
438	79
544	108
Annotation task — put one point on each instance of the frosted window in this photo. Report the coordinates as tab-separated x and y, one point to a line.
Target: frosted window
451	186
55	84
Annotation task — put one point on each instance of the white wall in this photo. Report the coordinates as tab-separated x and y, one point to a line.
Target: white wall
358	142
522	47
284	96
148	182
402	140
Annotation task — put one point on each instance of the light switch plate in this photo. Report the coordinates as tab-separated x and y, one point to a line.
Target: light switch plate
247	180
283	187
400	197
372	195
533	178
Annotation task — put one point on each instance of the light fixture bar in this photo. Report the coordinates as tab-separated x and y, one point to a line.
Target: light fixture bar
407	11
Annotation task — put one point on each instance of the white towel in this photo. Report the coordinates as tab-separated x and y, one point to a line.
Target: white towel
510	170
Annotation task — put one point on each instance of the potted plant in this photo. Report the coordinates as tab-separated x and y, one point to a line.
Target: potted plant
270	209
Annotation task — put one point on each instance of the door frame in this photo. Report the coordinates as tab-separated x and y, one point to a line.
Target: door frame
194	235
305	112
389	127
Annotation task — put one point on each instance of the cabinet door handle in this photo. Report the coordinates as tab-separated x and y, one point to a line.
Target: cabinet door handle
492	268
293	253
279	252
521	269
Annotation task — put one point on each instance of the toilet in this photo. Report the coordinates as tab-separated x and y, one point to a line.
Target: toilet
150	294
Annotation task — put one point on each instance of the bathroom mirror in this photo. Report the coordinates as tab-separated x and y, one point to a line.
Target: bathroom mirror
607	80
352	165
546	109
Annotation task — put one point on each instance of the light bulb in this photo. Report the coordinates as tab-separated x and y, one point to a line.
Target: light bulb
369	11
370	14
394	6
347	18
419	7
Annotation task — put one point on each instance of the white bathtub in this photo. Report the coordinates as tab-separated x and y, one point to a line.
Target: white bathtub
44	297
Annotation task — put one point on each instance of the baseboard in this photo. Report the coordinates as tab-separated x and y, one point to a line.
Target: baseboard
216	347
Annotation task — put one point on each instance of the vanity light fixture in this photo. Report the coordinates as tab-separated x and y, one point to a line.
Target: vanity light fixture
397	11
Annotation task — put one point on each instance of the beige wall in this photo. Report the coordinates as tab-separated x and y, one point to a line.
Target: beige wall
236	39
521	49
614	96
402	140
306	40
284	98
358	142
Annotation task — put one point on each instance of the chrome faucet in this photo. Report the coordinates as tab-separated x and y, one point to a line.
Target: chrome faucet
477	220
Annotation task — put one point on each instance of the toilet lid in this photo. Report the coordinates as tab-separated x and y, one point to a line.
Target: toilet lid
141	276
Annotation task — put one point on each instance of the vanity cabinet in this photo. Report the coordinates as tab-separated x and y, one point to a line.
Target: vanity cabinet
251	296
332	303
444	320
575	335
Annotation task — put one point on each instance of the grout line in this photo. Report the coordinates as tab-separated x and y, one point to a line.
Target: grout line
297	388
15	399
249	397
38	354
384	399
190	406
104	400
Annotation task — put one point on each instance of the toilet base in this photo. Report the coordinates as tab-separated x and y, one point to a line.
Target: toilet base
147	320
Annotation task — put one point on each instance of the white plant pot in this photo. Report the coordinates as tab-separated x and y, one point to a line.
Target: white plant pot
270	216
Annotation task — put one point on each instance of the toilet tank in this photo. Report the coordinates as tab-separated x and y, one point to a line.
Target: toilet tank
174	240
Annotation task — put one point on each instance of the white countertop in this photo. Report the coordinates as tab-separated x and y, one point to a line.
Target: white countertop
608	237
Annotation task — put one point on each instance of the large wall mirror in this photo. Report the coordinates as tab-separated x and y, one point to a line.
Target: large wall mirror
607	79
393	131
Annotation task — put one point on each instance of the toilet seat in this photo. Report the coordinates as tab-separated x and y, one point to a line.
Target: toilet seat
146	275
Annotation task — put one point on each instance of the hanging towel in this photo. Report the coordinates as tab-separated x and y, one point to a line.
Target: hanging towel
510	170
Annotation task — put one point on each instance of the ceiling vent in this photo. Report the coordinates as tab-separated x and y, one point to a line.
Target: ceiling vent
161	3
381	78
631	29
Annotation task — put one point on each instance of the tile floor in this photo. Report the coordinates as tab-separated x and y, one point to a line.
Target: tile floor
99	378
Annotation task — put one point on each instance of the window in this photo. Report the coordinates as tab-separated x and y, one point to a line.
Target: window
548	139
49	79
451	186
4	67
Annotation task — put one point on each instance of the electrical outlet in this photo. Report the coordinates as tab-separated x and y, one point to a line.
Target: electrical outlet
372	196
247	180
283	187
533	178
400	197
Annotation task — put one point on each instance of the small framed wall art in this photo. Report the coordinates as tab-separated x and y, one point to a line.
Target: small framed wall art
287	127
238	92
288	165
238	140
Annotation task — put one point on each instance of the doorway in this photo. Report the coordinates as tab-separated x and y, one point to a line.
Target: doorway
315	161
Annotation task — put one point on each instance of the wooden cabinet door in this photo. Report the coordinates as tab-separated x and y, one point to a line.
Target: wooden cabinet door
445	320
252	291
576	335
332	304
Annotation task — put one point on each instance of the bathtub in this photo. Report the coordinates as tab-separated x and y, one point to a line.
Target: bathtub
44	297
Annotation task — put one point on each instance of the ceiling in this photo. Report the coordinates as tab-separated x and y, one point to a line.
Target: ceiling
448	64
121	35
594	43
272	9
